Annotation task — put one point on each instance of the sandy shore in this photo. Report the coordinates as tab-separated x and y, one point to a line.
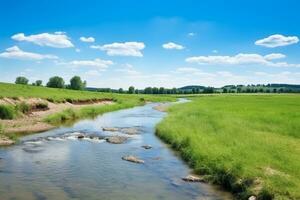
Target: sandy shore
33	122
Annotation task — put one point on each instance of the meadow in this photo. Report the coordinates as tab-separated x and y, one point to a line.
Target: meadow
121	101
62	95
249	144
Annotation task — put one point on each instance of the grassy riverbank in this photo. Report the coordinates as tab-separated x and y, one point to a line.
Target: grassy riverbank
249	144
64	106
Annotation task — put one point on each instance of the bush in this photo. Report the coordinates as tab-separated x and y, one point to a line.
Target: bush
23	107
7	112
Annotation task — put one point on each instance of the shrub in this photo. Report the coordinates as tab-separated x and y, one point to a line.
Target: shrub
7	112
23	107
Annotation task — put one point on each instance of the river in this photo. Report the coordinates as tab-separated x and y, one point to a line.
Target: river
57	165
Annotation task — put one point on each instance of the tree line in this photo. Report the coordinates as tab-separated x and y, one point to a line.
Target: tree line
55	82
76	83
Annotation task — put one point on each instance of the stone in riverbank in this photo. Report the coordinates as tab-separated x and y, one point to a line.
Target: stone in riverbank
193	178
116	139
133	159
5	141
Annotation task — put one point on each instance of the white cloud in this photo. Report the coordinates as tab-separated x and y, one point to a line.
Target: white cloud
56	40
274	56
277	40
215	51
77	50
16	53
172	45
122	49
87	39
242	59
98	63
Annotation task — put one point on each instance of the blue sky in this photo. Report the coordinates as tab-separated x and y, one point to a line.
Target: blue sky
151	43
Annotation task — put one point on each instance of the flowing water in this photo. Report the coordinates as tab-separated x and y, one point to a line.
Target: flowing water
57	165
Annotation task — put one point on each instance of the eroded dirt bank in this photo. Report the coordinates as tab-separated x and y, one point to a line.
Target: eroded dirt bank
33	121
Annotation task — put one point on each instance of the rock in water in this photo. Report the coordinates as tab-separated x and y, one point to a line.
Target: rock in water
133	159
192	178
252	198
116	139
130	131
112	129
147	146
80	136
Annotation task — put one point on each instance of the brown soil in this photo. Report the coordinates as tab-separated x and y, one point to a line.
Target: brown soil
162	107
33	122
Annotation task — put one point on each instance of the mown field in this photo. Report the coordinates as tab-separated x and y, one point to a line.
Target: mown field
249	144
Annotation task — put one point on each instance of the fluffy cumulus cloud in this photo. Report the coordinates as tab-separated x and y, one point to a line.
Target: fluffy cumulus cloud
56	40
122	49
274	56
277	40
97	63
87	39
16	53
172	45
242	59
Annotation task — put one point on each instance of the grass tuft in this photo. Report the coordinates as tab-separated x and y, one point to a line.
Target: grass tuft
7	112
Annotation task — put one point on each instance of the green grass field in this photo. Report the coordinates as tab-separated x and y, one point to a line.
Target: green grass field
61	95
249	144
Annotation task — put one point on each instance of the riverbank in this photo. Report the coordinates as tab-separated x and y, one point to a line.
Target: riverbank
31	109
247	144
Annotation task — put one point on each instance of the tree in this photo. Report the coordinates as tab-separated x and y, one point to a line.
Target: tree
77	84
148	90
131	90
21	80
38	82
121	90
161	90
56	82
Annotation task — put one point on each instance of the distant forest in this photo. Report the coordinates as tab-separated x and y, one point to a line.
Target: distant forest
195	89
76	83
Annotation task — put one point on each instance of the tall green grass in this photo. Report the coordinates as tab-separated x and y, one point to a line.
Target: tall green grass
7	112
70	115
248	144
